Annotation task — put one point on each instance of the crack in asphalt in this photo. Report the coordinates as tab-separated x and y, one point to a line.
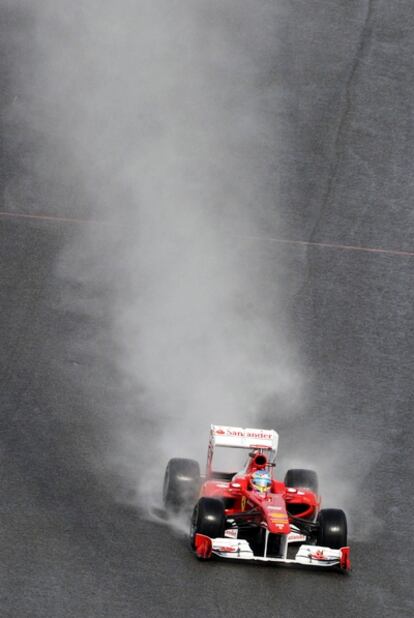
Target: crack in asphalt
344	116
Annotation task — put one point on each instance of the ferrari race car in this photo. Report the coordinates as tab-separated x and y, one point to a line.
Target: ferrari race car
249	515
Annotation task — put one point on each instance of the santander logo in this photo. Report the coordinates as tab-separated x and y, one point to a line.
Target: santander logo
228	549
240	433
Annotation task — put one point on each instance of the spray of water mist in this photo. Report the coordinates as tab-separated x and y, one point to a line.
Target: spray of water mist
154	117
159	118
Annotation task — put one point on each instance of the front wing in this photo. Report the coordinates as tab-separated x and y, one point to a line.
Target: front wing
239	549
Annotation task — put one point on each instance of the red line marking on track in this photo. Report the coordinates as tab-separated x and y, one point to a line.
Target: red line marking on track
18	215
286	241
327	245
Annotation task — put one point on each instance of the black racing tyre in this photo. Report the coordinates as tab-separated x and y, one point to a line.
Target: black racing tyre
181	484
256	539
208	518
333	530
302	479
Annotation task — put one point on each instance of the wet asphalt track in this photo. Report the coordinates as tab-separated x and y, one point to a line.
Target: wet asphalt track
67	549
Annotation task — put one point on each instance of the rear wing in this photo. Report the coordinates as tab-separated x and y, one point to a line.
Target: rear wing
238	437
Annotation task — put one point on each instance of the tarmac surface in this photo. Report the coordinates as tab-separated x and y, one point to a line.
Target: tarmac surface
67	547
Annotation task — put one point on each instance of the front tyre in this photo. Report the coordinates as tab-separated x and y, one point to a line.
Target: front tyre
333	530
208	519
181	484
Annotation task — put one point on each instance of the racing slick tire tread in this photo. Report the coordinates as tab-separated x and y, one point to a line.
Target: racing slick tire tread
301	478
333	530
181	484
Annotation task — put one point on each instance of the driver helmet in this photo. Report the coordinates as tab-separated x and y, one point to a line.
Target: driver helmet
261	481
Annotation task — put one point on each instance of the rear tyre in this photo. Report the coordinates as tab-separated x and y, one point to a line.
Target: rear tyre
181	484
333	530
302	479
208	518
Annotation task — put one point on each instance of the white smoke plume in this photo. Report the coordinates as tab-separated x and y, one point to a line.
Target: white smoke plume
155	115
159	119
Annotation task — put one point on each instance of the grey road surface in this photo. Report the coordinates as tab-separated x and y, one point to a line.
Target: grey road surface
67	547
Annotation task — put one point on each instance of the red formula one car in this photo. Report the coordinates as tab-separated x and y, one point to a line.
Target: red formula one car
249	515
